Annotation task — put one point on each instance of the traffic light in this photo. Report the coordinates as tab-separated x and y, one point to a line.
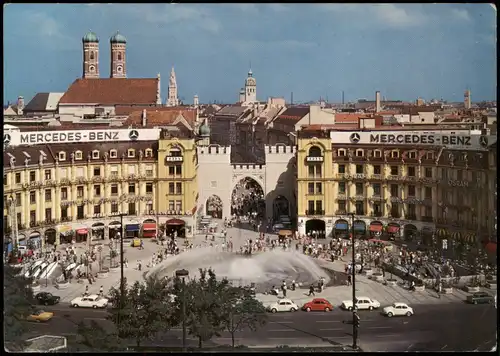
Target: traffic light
356	320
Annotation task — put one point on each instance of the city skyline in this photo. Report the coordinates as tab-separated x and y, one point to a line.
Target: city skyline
404	51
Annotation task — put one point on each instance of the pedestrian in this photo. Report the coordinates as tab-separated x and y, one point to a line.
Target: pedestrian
283	288
101	291
349	280
86	291
311	291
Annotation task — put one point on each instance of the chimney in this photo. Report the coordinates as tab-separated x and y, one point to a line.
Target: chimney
20	105
144	117
377	101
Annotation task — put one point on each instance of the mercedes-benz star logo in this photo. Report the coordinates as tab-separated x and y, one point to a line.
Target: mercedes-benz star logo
483	141
355	138
133	135
6	139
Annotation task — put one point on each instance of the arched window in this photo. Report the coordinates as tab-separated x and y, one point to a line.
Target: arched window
119	56
92	55
315	151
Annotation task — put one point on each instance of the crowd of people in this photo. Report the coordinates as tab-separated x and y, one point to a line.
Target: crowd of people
248	200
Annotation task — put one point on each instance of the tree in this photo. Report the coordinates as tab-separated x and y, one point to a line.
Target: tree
243	311
18	301
95	338
147	309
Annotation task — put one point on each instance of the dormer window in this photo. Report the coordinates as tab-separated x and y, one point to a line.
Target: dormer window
62	156
359	153
113	154
95	154
131	153
412	154
341	152
377	154
78	155
429	155
395	154
149	153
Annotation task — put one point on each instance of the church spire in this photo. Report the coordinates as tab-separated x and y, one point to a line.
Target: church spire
172	99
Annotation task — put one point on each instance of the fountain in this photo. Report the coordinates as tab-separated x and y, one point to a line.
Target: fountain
265	269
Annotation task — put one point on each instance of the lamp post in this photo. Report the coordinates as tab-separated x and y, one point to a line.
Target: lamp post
355	317
13	218
122	278
182	273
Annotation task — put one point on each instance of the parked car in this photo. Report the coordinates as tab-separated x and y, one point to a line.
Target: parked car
283	305
480	298
46	298
362	303
39	316
318	304
398	309
91	301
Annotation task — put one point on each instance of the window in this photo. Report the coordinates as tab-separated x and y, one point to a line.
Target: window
394	170
394	190
171	205
149	188
114	189
92	55
395	154
48	195
360	208
319	188
310	206
377	169
359	153
395	210
78	155
97	190
64	193
171	188
32	198
95	154
377	154
97	209
131	188
341	168
171	170
80	172
32	176
314	170
342	206
131	209
428	172
131	153
149	207
32	217
5	179
131	169
119	56
18	199
79	191
114	171
319	207
149	171
359	169
429	155
18	178
63	173
149	153
48	174
412	211
341	152
178	188
178	205
114	207
178	170
428	193
359	189
97	171
342	188
48	214
412	154
62	156
19	219
459	174
411	171
113	153
411	190
376	189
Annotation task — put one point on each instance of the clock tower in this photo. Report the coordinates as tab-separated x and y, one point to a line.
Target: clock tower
90	55
118	63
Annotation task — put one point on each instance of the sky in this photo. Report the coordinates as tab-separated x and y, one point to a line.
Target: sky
313	50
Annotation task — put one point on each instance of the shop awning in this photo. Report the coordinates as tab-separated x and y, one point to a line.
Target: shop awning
441	233
341	226
376	227
21	237
392	229
82	231
132	227
285	233
100	227
65	228
115	225
175	222
491	247
34	234
149	233
359	226
456	236
149	226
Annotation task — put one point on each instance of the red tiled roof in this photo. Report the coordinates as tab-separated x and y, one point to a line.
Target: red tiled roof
112	91
161	116
348	118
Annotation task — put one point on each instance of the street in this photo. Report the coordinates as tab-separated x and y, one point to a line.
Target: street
448	327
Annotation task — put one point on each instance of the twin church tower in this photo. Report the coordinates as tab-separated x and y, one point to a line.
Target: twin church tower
91	56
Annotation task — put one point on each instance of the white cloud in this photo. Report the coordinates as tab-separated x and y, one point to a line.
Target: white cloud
48	30
460	14
397	16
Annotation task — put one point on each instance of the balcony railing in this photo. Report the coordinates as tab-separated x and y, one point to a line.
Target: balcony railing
376	214
315	212
341	196
341	212
376	176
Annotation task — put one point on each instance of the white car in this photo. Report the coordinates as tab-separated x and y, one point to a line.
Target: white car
362	303
398	309
283	305
91	301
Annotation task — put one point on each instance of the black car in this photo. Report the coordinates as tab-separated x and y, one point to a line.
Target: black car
45	298
480	298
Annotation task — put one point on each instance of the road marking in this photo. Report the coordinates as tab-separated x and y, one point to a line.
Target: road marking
336	329
280	322
380	327
95	319
281	338
387	335
328	321
282	330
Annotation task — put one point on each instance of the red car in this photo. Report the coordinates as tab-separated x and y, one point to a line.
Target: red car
318	304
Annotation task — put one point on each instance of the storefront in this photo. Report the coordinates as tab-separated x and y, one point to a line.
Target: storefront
175	227
341	229
359	229
22	240
50	236
149	228
132	231
376	228
114	228
66	234
410	232
98	231
82	235
427	236
393	231
35	240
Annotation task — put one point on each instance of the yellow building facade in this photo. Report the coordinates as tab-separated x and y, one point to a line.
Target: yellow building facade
60	193
404	191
